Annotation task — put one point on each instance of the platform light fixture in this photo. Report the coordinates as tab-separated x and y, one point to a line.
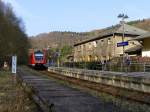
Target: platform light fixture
123	16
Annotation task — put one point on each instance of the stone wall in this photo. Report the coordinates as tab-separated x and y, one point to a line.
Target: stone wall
133	81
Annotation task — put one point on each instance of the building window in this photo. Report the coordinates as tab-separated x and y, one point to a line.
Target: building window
95	43
84	46
90	45
132	43
109	40
80	46
102	42
96	58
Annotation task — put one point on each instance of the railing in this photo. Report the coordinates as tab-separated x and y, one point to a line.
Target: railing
108	66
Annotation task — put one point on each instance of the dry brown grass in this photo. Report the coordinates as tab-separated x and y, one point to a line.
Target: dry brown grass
12	96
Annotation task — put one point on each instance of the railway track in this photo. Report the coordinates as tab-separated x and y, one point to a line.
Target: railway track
54	93
134	96
52	96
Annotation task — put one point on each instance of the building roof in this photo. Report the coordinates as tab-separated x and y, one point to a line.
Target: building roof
133	49
143	36
117	29
130	30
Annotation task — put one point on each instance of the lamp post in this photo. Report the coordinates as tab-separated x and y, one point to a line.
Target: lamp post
122	22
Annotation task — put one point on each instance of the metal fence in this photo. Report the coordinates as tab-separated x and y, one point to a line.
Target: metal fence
109	66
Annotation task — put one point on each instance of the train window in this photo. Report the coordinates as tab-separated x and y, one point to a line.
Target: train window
38	58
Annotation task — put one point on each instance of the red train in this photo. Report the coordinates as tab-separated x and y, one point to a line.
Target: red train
37	59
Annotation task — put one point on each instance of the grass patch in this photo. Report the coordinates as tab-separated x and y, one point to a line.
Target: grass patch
12	96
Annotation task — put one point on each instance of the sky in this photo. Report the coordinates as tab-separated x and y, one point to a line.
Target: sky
40	16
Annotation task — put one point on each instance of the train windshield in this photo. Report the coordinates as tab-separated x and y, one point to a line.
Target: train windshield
39	57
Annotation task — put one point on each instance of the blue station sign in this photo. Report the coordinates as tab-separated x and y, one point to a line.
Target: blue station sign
122	44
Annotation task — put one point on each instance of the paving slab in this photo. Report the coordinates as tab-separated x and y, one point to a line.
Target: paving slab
64	98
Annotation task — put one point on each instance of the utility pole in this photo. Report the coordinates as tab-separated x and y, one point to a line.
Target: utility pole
122	22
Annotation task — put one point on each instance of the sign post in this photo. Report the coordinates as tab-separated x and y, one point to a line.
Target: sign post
122	44
14	64
14	68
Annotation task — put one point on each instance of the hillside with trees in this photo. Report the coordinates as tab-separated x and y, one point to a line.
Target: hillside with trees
13	40
59	39
143	24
